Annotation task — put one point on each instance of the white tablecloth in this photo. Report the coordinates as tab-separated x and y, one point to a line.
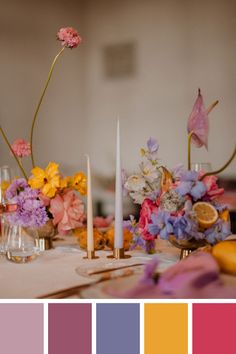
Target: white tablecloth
63	268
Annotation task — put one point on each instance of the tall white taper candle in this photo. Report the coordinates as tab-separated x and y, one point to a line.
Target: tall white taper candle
118	195
90	239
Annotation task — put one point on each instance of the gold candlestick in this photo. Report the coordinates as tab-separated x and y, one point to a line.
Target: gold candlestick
91	255
119	253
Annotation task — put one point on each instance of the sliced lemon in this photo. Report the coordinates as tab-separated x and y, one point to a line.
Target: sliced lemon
206	214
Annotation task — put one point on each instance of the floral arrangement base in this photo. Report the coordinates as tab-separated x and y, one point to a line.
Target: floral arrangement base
44	235
186	246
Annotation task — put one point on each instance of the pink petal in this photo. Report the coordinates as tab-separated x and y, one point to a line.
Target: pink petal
198	123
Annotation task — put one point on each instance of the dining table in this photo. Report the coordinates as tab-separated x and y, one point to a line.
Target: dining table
64	271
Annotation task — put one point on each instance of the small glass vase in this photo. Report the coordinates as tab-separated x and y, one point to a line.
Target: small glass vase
186	246
20	247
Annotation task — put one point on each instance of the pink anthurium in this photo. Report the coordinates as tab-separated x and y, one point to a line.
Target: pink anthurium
198	123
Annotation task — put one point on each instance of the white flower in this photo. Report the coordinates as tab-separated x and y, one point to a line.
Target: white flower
138	197
135	183
150	171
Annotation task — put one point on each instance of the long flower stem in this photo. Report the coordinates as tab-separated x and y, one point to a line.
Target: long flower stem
189	149
39	103
9	145
222	168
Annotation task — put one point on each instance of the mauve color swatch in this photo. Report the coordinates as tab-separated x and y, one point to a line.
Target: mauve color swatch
70	329
214	328
21	328
118	329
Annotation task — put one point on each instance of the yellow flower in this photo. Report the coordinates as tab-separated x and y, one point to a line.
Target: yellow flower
65	182
5	185
79	183
47	180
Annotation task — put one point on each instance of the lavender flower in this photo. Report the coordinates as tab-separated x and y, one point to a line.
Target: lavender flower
189	184
161	224
15	188
30	210
218	232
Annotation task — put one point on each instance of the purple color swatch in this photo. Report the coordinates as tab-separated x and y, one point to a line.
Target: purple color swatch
21	328
70	328
118	329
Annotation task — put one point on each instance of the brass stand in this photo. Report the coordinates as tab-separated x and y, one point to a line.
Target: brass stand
119	253
185	253
91	255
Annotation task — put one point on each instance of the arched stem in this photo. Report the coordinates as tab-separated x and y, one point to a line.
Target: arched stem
17	160
222	168
40	102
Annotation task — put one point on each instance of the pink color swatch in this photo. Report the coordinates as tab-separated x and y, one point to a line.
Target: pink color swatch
21	328
214	328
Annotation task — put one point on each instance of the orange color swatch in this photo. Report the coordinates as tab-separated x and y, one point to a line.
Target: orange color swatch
166	329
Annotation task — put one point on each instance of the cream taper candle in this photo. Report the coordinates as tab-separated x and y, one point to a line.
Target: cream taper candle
90	239
118	243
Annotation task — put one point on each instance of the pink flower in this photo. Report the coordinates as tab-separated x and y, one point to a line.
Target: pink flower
213	190
99	221
68	211
21	148
69	37
147	209
198	123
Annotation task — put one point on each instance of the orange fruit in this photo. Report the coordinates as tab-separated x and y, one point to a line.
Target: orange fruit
224	215
224	252
206	214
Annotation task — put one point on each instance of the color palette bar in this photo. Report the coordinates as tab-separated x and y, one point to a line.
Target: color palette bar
166	329
21	328
118	329
70	328
214	328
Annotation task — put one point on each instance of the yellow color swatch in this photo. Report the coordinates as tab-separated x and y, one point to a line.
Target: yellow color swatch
166	329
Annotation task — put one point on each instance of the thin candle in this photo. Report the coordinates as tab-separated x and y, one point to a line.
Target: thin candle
118	195
90	239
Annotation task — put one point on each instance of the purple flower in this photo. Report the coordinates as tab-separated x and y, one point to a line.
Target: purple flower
149	272
152	145
30	210
185	228
189	184
161	224
218	232
15	188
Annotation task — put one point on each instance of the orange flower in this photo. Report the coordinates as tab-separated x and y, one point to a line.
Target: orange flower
79	183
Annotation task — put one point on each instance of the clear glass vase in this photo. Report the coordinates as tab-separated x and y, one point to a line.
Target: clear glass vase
21	247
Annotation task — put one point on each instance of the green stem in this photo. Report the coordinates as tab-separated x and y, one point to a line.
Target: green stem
39	103
189	149
222	168
9	145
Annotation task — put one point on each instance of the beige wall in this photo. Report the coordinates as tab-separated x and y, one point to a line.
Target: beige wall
181	45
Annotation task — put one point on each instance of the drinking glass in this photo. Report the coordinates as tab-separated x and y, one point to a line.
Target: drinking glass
5	180
22	247
201	166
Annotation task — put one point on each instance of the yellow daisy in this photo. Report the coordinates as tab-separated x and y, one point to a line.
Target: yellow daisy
79	183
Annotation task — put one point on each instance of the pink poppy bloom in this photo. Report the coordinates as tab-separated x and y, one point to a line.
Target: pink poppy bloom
213	190
68	211
21	148
147	209
69	37
198	123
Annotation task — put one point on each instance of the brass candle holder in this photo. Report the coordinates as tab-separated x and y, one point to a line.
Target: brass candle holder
91	255
119	253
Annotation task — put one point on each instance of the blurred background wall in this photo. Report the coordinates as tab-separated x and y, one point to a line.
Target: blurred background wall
176	47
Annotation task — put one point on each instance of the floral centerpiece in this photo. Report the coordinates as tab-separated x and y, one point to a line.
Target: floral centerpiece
46	197
179	205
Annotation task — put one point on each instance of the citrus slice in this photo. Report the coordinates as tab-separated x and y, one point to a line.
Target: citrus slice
206	214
